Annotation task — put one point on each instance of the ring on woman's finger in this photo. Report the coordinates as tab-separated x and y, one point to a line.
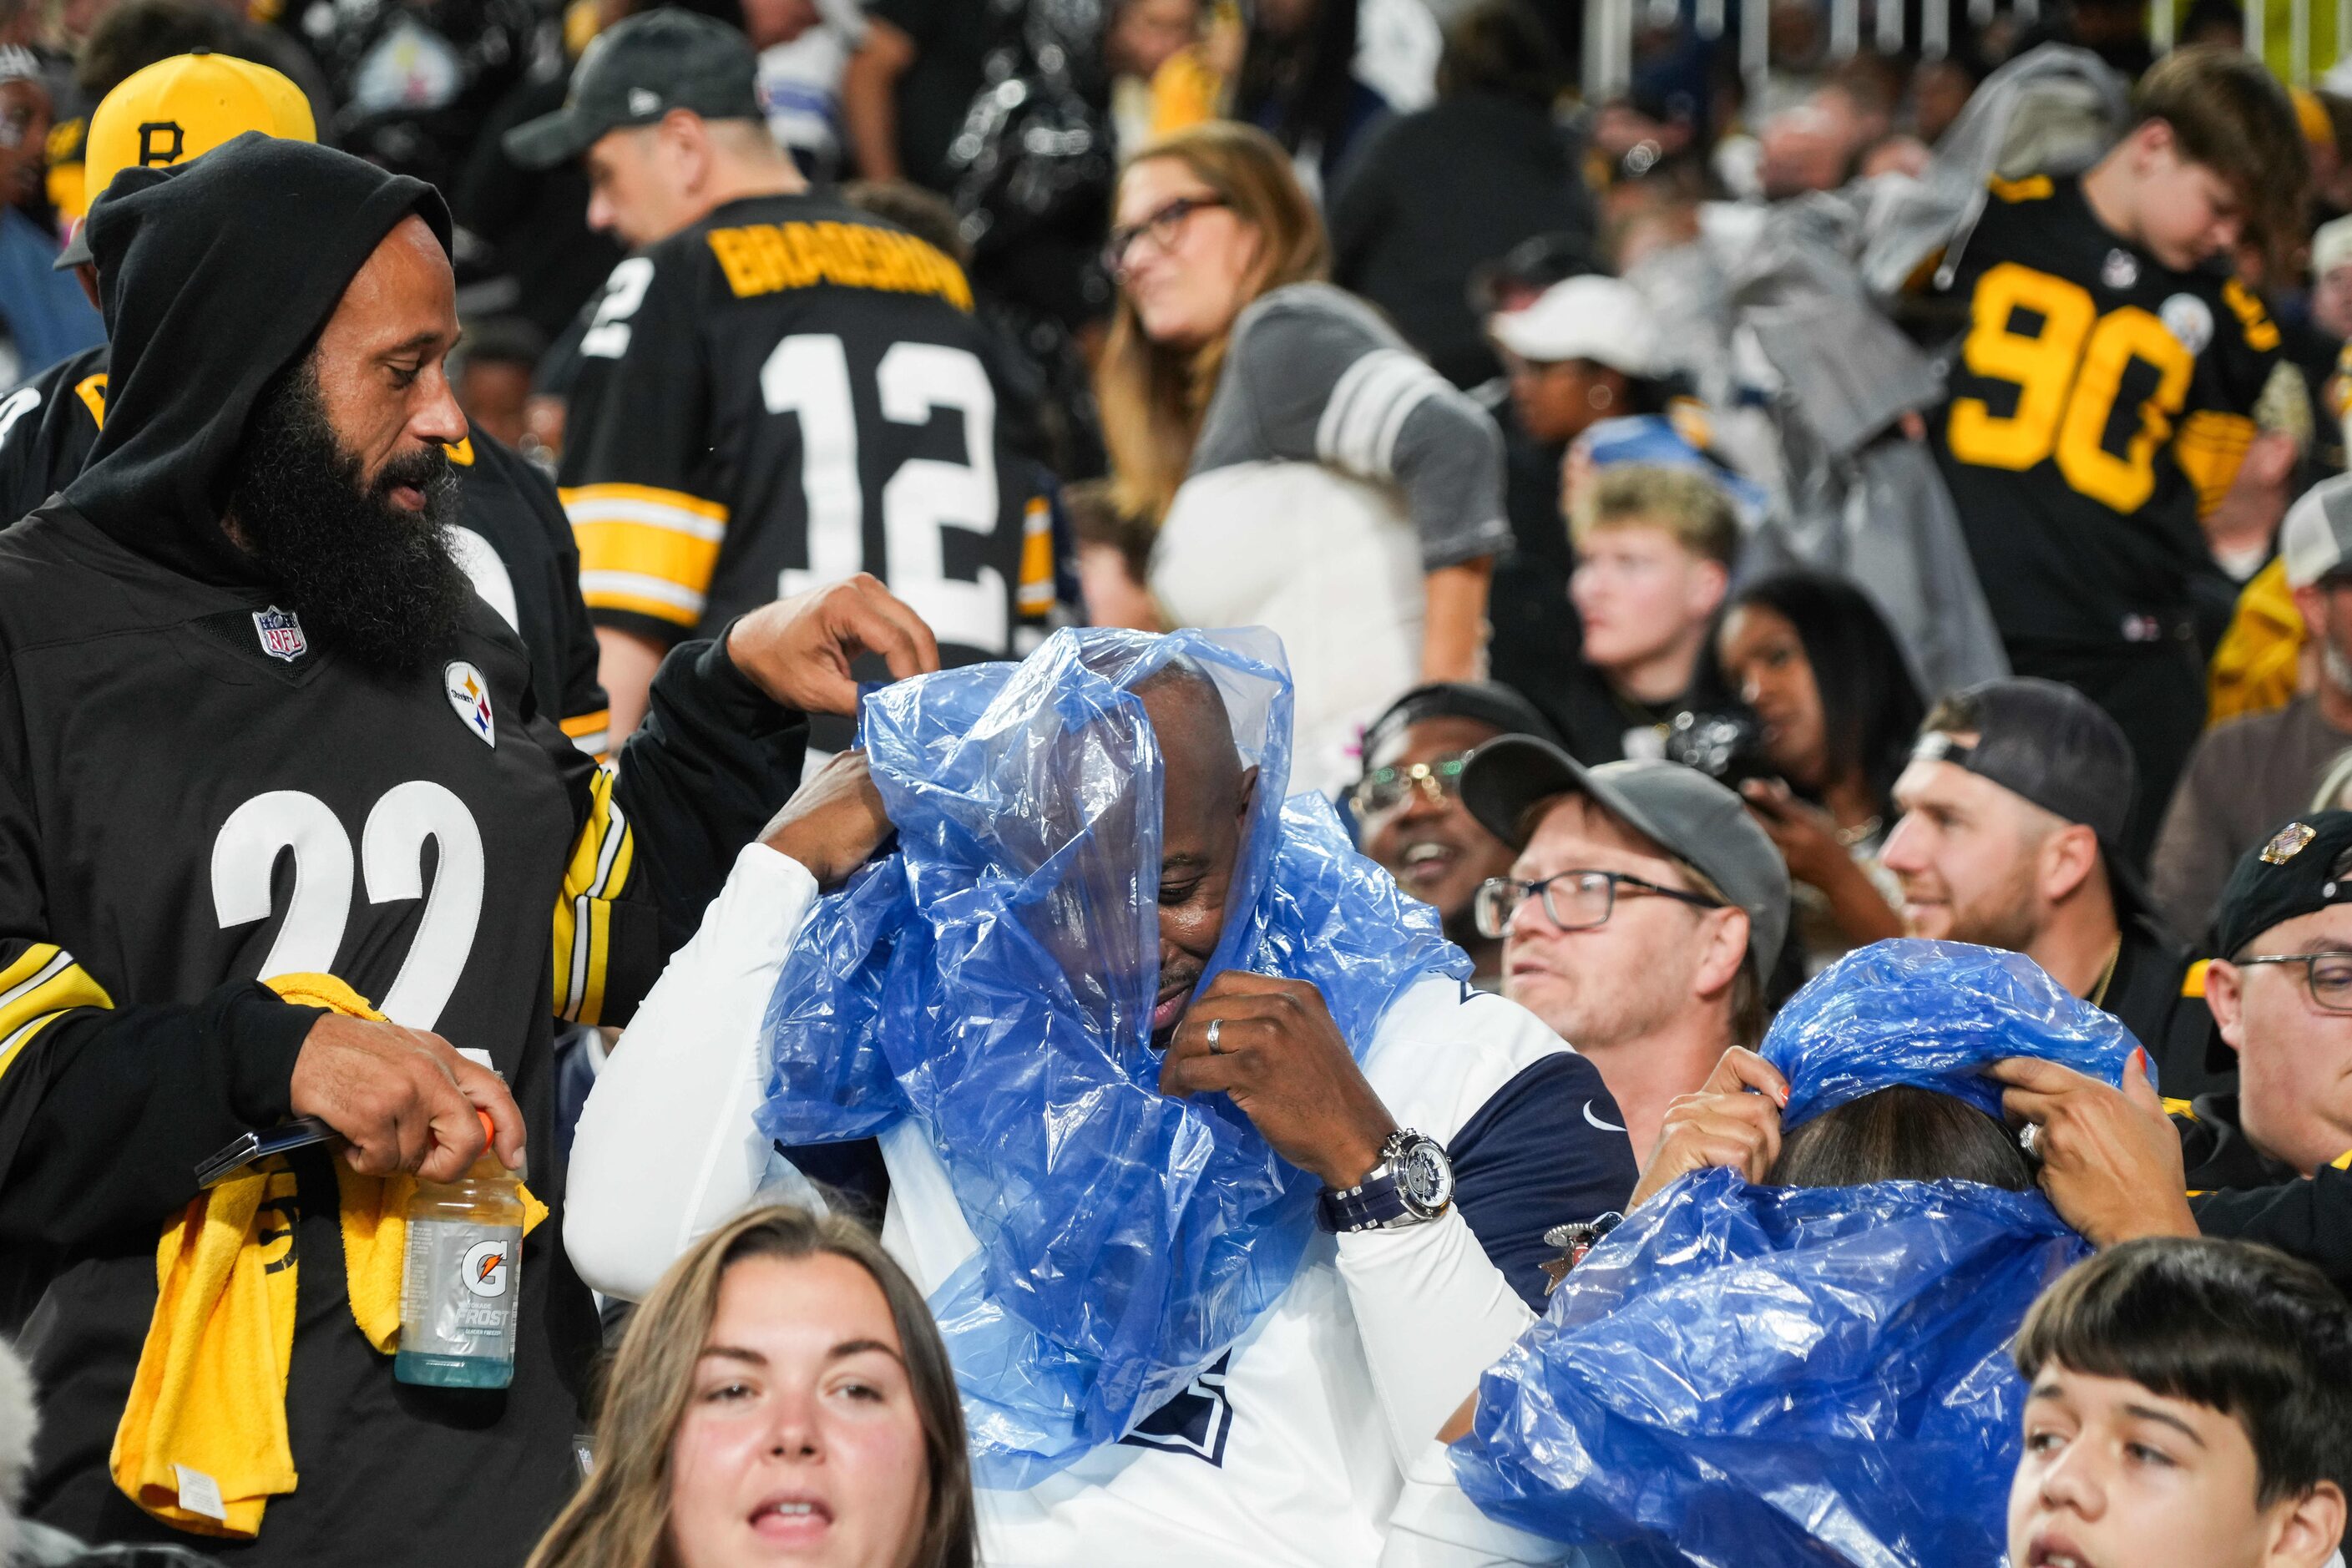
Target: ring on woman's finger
2030	1137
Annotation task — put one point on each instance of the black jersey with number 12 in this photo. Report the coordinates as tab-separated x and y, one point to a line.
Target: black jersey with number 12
785	394
2099	405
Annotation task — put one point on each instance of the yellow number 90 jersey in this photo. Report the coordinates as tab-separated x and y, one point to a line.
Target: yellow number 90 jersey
2098	404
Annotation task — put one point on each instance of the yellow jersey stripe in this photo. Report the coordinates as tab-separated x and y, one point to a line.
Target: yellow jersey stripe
641	550
641	596
634	501
2179	1107
2034	187
2209	448
38	987
602	858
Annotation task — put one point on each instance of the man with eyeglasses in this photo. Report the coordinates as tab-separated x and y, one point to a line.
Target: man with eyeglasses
2272	1162
1407	806
1640	920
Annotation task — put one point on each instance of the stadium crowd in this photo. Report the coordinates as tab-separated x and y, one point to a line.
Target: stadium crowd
1140	781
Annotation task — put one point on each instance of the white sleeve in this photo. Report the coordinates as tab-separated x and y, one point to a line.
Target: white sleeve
1433	1313
666	1148
1436	1526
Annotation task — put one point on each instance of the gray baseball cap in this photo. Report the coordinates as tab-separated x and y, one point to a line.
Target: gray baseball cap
2315	540
637	71
1679	809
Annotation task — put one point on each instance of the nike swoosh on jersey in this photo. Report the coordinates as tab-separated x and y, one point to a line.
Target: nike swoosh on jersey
1596	1122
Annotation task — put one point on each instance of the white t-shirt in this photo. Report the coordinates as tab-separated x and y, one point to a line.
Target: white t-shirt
1293	1449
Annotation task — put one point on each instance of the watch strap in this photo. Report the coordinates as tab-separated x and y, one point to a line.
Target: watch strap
1373	1203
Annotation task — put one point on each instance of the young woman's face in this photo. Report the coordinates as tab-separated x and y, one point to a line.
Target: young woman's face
1188	266
1764	659
801	1442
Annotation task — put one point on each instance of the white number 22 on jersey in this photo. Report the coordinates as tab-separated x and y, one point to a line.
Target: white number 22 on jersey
391	855
808	376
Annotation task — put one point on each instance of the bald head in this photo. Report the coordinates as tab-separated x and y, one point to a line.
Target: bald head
1204	803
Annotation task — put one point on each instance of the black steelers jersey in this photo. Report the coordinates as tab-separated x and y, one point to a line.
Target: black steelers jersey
511	534
193	795
2098	405
47	425
789	392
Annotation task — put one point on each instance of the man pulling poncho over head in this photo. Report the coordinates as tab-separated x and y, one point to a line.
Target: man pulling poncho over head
1121	1015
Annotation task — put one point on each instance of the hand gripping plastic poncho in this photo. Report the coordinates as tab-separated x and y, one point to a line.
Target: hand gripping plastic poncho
1756	1376
995	981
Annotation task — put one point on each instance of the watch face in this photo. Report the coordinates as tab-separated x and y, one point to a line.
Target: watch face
1424	1176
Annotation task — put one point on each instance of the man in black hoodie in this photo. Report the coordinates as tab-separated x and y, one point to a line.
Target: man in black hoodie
252	723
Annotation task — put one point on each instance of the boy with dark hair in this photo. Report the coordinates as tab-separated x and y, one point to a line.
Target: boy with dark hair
2101	400
2191	1403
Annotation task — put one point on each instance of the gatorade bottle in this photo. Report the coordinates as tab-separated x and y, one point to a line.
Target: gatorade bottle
462	1278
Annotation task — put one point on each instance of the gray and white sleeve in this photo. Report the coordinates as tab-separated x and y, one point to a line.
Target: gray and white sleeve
1317	379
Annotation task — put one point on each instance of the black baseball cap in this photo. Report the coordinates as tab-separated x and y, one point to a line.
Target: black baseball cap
1679	809
637	71
2305	866
1487	702
2049	744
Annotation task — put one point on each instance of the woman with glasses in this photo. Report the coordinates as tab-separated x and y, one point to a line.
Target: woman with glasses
1407	806
1306	471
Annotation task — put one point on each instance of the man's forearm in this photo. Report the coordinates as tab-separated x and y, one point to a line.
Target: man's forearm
626	665
105	1114
1433	1312
1454	629
869	104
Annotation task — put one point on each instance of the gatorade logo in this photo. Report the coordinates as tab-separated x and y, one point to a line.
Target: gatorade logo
153	149
485	1269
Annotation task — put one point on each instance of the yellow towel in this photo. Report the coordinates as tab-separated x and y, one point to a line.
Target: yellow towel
2259	666
202	1444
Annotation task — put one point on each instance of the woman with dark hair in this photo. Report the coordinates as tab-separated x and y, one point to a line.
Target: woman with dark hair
1838	711
1795	1346
781	1393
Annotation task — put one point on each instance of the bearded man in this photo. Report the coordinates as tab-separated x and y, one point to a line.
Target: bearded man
254	724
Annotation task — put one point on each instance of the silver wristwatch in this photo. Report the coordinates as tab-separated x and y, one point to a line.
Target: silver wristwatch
1413	1185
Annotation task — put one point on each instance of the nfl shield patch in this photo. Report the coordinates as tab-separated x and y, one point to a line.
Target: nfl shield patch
469	699
280	633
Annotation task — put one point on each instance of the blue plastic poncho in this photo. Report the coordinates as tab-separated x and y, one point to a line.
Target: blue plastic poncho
995	981
1932	1014
1744	1375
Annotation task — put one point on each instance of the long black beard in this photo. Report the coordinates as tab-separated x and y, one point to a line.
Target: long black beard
372	582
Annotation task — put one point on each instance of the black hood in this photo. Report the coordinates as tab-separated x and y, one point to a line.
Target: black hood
214	275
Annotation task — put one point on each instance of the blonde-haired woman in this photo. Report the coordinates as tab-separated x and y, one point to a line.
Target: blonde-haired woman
782	1393
1309	473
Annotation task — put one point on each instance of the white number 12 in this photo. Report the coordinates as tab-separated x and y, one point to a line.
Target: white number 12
808	376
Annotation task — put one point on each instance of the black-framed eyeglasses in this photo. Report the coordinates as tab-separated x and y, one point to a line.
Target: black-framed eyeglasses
1160	227
1573	900
2327	975
1439	780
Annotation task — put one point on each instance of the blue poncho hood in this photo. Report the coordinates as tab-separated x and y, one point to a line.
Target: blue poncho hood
993	980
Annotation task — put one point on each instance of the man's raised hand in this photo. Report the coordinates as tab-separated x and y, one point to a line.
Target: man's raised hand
798	650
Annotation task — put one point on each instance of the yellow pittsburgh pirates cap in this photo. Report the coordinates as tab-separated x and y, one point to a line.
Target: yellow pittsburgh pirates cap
178	108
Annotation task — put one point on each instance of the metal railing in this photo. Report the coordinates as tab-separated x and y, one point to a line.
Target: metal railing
2295	54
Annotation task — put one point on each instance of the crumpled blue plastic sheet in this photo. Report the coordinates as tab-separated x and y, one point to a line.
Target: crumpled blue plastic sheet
1765	1375
1747	1377
994	980
1933	1014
